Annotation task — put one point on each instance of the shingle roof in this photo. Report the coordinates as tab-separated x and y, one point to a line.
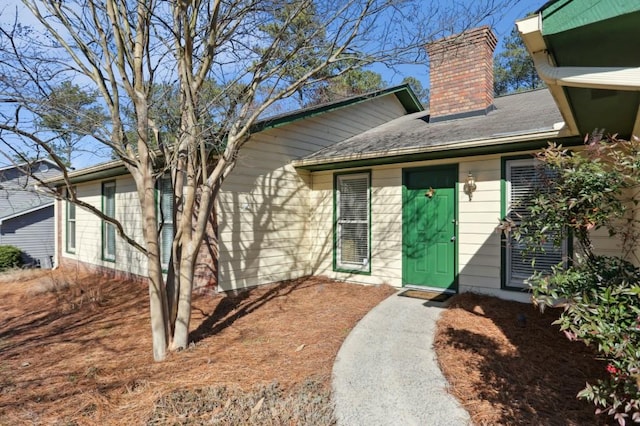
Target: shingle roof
17	191
517	114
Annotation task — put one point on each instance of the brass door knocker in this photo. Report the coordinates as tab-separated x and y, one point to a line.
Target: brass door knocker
430	193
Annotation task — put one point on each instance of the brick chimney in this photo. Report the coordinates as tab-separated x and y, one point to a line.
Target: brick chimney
461	74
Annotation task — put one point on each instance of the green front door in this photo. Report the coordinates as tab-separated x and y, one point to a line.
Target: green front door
429	227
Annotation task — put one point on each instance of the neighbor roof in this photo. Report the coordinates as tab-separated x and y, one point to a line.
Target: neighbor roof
18	193
516	118
14	202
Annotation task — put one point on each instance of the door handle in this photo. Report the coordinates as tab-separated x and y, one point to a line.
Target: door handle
453	238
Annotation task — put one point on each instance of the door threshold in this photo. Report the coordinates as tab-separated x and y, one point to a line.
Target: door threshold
427	288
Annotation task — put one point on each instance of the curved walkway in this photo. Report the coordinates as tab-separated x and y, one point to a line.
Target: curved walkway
386	371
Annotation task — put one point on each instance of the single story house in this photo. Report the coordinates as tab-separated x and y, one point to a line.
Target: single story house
374	189
26	215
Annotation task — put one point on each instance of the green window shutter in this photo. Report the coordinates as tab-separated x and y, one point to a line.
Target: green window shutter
353	224
109	230
523	179
165	218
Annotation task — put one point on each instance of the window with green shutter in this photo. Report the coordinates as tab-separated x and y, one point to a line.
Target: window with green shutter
352	218
165	219
522	179
108	229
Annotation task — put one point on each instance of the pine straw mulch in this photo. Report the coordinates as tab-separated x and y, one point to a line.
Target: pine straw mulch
77	349
508	365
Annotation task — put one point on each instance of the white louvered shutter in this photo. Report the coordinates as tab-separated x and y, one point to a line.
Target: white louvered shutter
524	179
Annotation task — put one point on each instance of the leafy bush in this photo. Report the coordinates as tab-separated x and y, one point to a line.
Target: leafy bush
586	190
602	309
10	257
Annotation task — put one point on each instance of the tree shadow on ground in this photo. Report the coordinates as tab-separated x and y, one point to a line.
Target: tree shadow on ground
508	364
241	303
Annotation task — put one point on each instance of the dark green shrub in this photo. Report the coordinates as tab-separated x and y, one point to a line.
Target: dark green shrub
10	257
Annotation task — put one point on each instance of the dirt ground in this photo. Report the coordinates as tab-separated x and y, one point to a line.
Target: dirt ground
77	349
508	365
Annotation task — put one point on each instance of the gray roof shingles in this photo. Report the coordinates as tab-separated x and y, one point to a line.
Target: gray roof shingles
18	194
519	113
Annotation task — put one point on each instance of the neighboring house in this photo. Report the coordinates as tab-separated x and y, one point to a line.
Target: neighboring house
372	189
26	215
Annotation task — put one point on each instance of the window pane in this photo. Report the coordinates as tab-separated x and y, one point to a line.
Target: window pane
165	218
109	230
166	239
166	202
71	236
110	236
71	211
110	200
71	227
354	244
353	199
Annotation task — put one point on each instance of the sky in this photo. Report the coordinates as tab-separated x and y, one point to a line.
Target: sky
503	25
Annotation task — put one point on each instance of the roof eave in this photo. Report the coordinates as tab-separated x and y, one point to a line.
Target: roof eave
99	171
403	93
531	32
556	78
21	165
392	156
22	213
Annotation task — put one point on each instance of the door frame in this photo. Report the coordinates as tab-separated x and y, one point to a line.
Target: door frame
454	170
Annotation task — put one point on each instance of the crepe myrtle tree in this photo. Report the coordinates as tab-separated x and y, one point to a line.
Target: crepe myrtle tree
183	84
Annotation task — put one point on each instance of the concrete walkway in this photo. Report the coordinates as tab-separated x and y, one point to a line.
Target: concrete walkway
386	371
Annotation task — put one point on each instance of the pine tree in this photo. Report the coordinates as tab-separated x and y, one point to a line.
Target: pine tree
513	67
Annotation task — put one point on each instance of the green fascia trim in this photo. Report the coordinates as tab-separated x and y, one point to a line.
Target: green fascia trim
445	154
404	93
335	224
564	15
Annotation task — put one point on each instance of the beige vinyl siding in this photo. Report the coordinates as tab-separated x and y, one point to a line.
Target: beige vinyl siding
386	228
265	208
607	246
89	227
478	243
